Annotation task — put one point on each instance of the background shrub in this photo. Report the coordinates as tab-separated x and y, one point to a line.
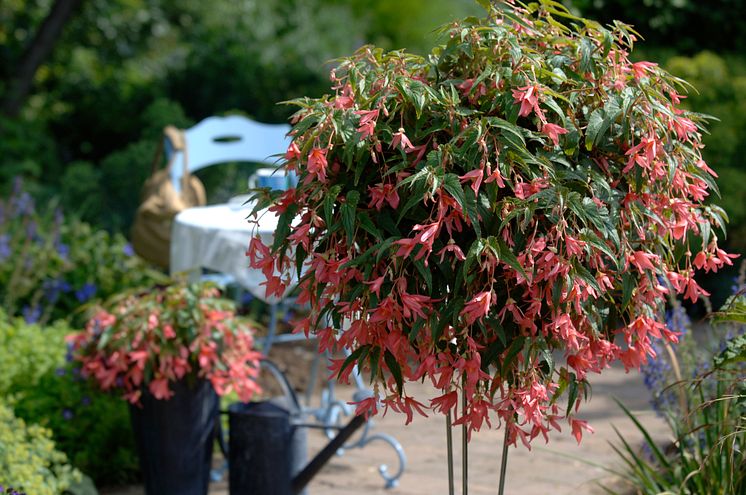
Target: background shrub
29	460
52	264
91	427
27	352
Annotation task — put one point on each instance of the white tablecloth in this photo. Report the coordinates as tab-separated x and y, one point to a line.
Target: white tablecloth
216	237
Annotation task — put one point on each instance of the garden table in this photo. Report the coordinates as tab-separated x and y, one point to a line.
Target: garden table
216	237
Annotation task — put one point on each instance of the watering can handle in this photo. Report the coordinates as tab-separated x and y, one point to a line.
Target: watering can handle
284	383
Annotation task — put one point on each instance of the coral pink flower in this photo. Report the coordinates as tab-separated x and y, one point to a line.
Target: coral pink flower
317	163
528	97
293	152
553	131
159	388
478	307
383	193
401	140
641	69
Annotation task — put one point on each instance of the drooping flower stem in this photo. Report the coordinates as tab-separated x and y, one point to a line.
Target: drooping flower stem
449	445
503	461
464	444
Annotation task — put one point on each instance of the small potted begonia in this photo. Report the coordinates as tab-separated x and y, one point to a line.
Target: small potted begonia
170	351
499	219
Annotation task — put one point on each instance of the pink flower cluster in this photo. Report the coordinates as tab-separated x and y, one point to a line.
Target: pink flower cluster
145	340
499	248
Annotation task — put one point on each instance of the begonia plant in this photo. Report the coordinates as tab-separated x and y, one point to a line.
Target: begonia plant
500	218
147	339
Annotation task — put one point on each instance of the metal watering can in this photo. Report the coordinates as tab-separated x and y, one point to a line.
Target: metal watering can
267	445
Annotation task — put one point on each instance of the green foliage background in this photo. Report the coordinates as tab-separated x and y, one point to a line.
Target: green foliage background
123	69
50	415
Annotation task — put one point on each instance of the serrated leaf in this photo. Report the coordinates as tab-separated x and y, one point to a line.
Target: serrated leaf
352	359
508	129
373	361
425	273
572	395
348	221
595	125
393	365
283	226
367	224
300	257
515	347
505	254
329	199
628	284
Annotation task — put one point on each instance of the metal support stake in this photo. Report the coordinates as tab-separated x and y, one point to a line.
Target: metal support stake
449	447
464	443
504	461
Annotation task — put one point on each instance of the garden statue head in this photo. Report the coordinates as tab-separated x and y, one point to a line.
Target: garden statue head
524	193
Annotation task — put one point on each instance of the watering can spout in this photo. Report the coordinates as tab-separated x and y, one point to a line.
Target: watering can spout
314	466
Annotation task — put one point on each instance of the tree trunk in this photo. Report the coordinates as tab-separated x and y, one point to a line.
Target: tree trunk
36	52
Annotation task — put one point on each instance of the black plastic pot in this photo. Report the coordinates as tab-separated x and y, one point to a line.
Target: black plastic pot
265	449
175	439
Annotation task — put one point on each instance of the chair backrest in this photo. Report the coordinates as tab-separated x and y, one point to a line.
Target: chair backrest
226	139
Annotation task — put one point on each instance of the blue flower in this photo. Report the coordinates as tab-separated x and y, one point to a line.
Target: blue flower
4	247
23	204
53	288
69	353
86	401
31	314
60	372
31	230
86	292
67	414
127	250
62	249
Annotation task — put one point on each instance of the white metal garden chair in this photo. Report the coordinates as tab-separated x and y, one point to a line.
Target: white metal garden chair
218	140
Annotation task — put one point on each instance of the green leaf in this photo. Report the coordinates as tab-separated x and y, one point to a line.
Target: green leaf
329	199
300	257
452	184
395	370
348	221
515	347
734	352
510	131
595	125
471	211
381	248
425	274
734	310
367	224
573	392
283	226
628	284
599	123
662	459
505	254
352	359
416	327
374	360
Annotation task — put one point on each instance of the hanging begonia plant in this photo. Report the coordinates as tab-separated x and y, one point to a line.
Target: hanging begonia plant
525	192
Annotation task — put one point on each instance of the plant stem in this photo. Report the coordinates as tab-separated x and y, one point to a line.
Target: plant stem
449	444
464	444
503	462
